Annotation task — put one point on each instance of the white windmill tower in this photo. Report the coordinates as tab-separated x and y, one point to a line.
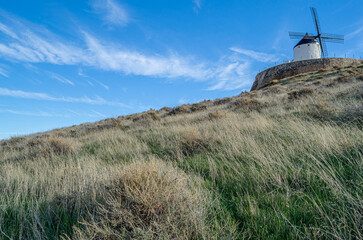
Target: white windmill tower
313	46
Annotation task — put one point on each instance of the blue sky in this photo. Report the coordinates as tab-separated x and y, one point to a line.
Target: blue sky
68	62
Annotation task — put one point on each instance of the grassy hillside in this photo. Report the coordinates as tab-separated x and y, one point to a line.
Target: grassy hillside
283	162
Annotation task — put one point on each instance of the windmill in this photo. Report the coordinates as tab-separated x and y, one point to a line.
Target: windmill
313	46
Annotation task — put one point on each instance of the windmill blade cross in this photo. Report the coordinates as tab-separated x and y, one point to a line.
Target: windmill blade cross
333	40
322	38
330	35
314	14
298	35
324	50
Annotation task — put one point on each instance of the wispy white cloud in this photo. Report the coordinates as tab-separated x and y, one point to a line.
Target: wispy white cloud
96	114
34	114
43	96
82	74
232	75
112	12
197	5
3	73
61	78
116	59
354	33
40	46
31	47
7	31
258	56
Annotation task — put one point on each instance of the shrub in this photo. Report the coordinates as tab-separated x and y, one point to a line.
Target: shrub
110	123
274	81
219	101
321	110
294	94
323	70
165	109
344	78
149	115
148	200
50	145
198	107
277	88
180	109
247	104
192	142
215	115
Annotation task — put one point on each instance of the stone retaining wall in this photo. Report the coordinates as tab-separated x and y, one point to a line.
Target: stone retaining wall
293	68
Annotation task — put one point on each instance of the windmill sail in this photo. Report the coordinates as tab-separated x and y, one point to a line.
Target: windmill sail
321	37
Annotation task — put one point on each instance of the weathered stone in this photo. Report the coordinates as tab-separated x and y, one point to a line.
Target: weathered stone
265	77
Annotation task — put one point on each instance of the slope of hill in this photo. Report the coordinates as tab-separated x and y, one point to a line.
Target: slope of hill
283	162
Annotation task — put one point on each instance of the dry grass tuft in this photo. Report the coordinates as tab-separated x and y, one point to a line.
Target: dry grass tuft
215	115
344	77
323	70
149	200
193	142
180	109
49	146
298	93
219	101
198	106
146	116
247	104
165	109
321	110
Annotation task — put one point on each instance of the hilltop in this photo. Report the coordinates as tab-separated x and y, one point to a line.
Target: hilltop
281	162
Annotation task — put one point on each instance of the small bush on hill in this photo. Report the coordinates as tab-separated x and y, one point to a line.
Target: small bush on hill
180	109
219	101
149	200
294	94
149	115
247	104
166	109
198	107
215	115
193	142
321	110
323	70
48	146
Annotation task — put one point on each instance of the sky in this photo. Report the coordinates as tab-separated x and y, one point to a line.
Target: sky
66	62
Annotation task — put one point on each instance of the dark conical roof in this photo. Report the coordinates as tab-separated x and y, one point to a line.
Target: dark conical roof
306	40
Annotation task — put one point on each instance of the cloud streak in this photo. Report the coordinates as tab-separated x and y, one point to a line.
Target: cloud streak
115	59
3	73
46	97
61	79
33	114
27	46
112	12
258	56
354	33
197	5
40	46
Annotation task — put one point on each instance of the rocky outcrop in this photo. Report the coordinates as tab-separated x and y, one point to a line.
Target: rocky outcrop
290	69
